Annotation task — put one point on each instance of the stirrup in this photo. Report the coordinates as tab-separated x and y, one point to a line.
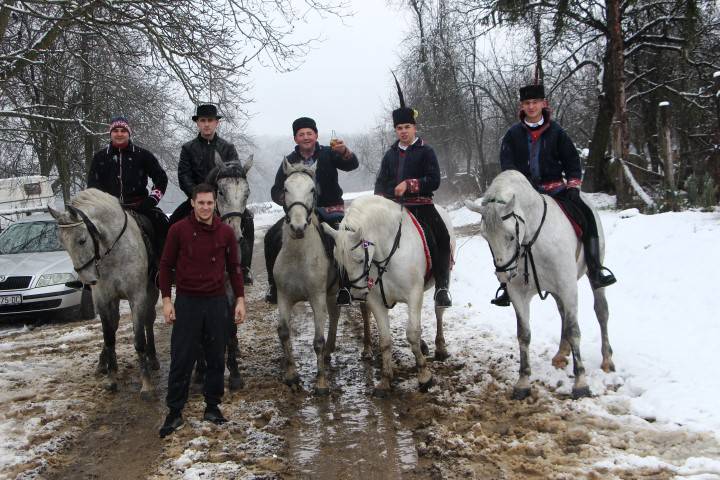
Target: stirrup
343	297
503	300
444	302
600	280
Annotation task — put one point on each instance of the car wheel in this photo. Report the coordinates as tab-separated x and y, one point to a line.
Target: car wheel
87	309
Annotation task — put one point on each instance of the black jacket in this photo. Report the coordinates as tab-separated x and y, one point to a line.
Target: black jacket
326	175
418	165
558	156
197	158
124	174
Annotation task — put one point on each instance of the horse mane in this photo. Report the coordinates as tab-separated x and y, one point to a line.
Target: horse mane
96	203
301	167
231	170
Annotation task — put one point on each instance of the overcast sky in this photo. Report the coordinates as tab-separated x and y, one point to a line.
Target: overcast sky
343	83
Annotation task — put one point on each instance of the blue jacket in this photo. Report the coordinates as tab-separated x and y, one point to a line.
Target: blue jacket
417	165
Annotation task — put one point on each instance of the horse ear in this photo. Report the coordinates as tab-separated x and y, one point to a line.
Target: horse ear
286	166
248	163
211	177
511	204
311	169
55	213
330	230
218	160
481	209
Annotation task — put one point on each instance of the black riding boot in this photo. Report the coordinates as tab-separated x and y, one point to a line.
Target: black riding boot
598	278
343	295
502	299
246	246
271	295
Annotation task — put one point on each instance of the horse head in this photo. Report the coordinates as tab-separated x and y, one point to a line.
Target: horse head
232	190
300	196
81	240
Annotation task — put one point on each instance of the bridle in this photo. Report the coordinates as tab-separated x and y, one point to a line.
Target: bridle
381	265
309	210
94	235
522	250
214	182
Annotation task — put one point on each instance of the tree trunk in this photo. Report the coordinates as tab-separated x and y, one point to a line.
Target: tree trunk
597	175
668	167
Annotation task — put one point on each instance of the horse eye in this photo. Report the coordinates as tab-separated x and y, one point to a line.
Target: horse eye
221	193
312	190
82	241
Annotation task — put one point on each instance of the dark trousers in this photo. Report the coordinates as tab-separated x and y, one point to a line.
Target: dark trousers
198	321
160	226
438	240
248	228
580	212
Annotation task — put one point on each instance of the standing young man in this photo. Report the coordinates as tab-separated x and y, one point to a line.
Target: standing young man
197	159
541	150
330	204
201	248
122	170
409	174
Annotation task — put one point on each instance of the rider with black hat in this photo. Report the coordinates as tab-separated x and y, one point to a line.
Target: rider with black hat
539	148
197	159
409	174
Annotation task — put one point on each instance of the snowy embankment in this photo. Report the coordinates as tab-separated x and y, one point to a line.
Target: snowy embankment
663	324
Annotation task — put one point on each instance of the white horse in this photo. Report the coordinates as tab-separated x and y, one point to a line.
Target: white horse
383	253
535	249
108	252
304	272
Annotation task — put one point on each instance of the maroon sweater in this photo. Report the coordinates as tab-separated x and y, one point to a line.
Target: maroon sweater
200	254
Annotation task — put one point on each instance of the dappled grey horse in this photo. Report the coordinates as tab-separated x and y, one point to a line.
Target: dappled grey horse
108	253
232	192
303	272
384	256
535	249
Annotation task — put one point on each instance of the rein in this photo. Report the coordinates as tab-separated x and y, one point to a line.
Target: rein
381	265
309	209
523	250
94	235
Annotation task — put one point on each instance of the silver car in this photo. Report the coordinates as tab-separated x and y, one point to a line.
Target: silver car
34	268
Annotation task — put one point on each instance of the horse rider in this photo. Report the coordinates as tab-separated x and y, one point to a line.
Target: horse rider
330	205
122	169
201	249
197	159
409	174
540	149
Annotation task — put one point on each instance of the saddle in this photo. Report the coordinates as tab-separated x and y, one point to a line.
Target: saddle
573	214
423	230
148	236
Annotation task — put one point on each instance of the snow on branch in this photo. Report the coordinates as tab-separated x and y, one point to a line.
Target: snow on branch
636	186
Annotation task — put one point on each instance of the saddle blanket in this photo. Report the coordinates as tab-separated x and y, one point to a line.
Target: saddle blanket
573	214
428	259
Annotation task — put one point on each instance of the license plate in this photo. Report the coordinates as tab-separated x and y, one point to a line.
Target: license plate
10	299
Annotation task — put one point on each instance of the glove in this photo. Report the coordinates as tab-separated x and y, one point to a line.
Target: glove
573	194
148	204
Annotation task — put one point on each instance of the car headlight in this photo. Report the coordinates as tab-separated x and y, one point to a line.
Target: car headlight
48	279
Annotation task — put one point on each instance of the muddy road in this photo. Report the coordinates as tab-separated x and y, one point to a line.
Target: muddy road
57	422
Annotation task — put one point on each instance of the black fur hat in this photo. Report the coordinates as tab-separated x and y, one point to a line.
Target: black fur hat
304	122
403	114
531	92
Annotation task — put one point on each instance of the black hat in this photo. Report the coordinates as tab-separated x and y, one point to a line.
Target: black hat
207	110
304	122
403	114
531	92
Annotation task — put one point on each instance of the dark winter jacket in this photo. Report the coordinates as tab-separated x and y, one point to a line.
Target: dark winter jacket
417	165
124	174
558	158
197	158
326	175
201	254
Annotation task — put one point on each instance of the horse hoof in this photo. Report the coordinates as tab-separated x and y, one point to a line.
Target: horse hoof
146	395
608	367
292	381
322	392
235	382
111	387
441	355
581	392
560	362
424	387
520	393
381	392
424	348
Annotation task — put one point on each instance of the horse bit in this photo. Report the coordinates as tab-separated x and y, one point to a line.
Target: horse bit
521	250
94	235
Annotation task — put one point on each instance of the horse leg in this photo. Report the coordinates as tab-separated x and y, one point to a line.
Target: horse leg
367	337
382	388
333	316
521	390
292	379
110	318
235	381
320	313
580	387
138	308
441	352
152	359
560	360
602	314
414	333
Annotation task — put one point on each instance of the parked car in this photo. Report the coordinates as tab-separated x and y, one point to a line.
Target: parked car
34	268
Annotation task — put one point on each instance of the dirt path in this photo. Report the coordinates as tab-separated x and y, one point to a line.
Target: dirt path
61	424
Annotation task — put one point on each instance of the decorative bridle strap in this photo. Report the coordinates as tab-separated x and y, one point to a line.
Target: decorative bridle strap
94	235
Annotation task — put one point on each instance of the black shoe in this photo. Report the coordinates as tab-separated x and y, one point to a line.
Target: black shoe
173	421
443	298
502	300
343	297
600	279
271	295
247	276
214	415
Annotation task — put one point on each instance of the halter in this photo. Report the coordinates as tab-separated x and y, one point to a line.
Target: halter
523	250
309	209
215	173
381	265
94	235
